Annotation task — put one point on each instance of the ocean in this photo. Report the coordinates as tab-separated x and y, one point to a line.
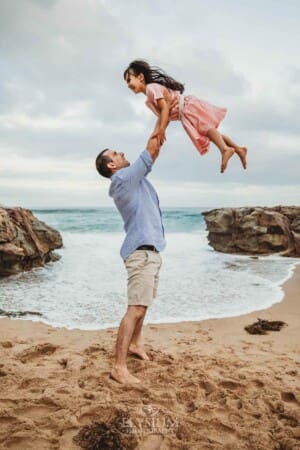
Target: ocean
86	288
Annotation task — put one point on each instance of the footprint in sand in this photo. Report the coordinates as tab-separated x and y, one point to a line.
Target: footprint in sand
290	418
91	413
89	382
208	387
292	373
63	362
152	442
95	348
7	420
164	359
35	382
64	391
6	403
258	383
229	384
191	406
16	442
66	440
203	332
89	395
36	351
6	344
35	412
288	443
184	397
289	397
222	427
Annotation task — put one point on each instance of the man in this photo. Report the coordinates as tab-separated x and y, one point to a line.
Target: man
138	204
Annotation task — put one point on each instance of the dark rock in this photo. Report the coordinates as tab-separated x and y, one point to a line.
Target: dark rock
25	241
255	230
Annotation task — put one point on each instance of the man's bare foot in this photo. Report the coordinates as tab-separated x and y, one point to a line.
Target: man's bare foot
138	351
242	154
123	376
226	155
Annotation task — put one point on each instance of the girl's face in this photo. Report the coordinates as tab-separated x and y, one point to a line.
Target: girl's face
135	82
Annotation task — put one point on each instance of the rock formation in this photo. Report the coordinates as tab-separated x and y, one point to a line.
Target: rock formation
255	230
25	241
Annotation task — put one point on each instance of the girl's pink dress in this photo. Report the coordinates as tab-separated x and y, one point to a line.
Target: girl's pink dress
196	116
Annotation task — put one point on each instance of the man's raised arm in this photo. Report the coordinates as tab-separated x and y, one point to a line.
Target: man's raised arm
142	166
153	148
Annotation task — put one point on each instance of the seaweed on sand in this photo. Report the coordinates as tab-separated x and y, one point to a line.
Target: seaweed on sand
262	326
112	435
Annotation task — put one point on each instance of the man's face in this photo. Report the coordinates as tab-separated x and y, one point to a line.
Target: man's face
118	160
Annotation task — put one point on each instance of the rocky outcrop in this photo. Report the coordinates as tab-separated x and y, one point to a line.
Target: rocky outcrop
255	230
25	241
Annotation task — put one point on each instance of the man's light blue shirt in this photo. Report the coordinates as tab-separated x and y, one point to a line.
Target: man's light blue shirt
138	204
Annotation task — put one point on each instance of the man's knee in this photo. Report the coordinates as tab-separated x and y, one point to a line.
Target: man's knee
137	311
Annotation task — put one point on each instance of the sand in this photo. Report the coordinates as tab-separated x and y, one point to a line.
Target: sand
210	385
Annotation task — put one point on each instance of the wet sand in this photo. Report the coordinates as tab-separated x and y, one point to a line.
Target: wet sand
209	385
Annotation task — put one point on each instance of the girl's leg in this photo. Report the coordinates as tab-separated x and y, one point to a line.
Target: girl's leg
241	151
226	150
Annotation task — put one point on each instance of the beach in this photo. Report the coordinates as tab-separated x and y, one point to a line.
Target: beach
209	385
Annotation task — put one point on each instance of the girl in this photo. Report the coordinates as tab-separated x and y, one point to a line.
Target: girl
199	118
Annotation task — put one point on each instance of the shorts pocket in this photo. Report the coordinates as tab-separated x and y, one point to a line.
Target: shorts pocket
137	260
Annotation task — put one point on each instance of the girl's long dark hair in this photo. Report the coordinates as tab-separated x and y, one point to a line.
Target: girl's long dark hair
153	74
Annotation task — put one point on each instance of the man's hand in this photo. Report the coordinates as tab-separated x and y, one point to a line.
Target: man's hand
153	147
160	137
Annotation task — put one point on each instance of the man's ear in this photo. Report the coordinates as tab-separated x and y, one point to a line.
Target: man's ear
111	165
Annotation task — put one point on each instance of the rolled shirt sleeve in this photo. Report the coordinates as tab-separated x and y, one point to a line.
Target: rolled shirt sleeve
138	170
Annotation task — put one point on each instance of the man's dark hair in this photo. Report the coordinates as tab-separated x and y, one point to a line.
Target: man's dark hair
101	164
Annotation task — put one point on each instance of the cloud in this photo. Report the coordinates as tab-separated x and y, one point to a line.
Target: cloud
63	98
61	55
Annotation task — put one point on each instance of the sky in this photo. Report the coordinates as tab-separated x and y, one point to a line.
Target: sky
63	98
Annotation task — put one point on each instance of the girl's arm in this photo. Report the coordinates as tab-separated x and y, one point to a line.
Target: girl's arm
162	121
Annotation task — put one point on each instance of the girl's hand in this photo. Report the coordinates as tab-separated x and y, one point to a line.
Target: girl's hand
160	135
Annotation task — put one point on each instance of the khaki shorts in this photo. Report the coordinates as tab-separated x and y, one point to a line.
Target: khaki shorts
143	273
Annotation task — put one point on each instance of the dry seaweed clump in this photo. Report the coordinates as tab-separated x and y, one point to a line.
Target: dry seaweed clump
112	435
262	326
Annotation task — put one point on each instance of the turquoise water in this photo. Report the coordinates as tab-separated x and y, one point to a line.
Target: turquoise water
86	288
176	220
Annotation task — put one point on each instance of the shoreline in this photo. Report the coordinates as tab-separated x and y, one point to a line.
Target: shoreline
218	386
280	284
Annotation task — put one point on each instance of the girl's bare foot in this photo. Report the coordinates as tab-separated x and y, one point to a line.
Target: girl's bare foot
123	376
138	351
242	154
226	155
